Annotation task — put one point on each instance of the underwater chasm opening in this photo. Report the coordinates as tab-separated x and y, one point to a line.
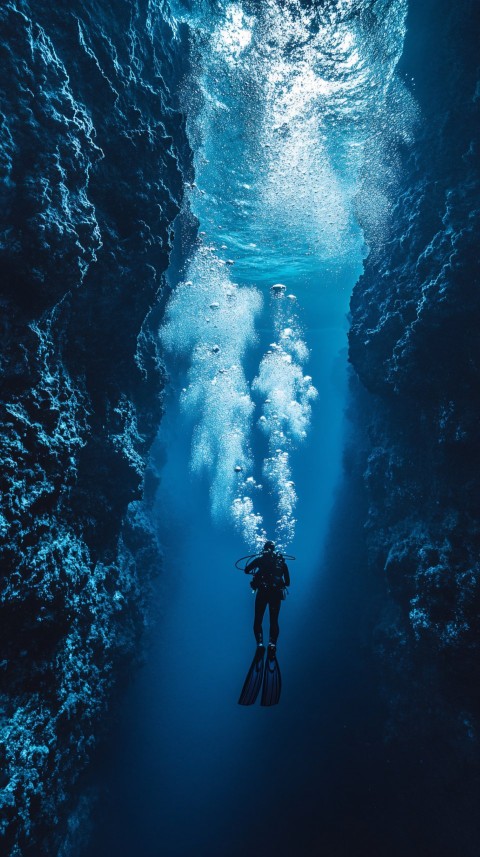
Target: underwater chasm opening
294	112
282	107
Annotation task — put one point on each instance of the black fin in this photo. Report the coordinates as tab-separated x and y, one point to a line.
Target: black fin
253	681
272	681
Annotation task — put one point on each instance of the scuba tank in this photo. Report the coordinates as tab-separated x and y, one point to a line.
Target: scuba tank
270	573
270	576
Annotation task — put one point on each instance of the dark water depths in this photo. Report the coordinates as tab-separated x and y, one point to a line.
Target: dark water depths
190	772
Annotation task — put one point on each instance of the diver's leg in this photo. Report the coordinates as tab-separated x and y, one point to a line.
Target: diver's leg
261	601
272	680
274	603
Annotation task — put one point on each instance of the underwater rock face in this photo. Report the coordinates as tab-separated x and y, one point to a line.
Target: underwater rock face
415	346
92	159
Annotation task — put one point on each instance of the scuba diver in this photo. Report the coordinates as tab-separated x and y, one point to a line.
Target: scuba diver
270	579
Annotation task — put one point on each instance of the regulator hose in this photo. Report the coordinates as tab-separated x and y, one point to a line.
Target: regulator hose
254	555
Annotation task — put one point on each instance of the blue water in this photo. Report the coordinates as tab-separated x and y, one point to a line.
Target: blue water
285	109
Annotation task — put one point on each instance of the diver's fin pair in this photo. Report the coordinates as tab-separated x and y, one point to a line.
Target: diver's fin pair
261	673
272	679
253	681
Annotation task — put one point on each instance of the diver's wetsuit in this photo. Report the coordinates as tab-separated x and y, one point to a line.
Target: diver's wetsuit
271	576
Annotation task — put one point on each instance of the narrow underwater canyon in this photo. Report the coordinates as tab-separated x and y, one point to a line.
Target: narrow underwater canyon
240	300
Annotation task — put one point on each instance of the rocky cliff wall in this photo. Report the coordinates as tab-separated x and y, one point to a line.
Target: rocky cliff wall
414	344
92	157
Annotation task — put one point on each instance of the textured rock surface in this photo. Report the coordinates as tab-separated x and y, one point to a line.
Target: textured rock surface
91	159
414	344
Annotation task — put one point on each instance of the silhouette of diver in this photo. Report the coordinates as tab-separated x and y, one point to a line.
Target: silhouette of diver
270	577
269	581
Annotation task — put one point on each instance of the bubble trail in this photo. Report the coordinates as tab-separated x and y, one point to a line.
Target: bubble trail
211	320
289	117
288	395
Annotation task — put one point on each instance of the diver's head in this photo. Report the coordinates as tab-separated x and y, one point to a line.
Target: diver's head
268	547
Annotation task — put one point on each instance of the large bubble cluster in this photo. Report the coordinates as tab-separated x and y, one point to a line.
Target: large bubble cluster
211	320
286	106
287	396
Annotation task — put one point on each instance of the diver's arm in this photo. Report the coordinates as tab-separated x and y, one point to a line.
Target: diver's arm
286	574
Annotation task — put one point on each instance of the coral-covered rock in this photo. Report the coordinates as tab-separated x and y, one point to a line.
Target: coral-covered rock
415	346
92	157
